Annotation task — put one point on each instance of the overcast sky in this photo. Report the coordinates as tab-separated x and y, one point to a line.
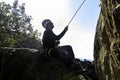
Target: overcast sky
82	29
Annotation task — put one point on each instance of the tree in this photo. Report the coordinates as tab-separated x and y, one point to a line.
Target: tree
16	28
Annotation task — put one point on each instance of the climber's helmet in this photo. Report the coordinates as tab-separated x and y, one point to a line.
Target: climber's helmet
46	23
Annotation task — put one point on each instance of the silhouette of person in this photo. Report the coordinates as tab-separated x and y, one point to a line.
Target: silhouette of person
51	40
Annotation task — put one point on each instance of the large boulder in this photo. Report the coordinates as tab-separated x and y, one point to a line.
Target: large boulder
107	41
31	64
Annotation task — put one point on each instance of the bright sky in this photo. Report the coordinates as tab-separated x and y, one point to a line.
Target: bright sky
82	29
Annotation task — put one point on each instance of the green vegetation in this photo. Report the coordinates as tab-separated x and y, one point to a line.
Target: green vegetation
16	29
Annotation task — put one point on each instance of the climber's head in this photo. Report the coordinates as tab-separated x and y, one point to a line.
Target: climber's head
47	24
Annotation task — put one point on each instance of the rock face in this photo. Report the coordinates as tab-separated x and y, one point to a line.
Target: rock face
30	64
107	41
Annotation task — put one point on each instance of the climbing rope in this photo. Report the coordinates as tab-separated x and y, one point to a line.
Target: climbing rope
76	12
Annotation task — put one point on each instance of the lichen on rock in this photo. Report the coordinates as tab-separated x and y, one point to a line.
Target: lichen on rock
107	41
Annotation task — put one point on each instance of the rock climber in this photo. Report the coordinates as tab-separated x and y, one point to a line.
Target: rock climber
50	39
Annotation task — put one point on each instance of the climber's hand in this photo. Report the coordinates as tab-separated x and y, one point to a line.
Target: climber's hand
66	28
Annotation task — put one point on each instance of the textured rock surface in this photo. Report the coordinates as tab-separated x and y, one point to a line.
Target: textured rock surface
107	41
30	64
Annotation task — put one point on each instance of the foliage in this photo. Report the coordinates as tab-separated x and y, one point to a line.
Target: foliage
16	28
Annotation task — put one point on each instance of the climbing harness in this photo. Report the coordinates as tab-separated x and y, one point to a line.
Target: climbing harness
76	12
50	51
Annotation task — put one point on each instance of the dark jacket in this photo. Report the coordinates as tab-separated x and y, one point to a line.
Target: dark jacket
49	38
